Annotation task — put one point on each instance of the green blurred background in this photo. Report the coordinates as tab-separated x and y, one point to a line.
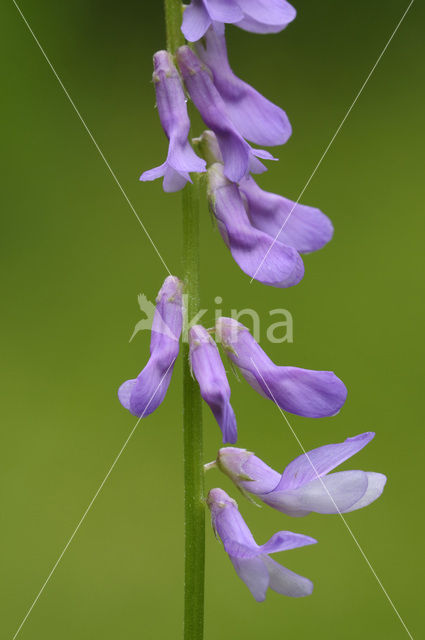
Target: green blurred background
75	258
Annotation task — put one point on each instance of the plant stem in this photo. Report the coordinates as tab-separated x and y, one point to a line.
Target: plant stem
192	435
173	21
192	408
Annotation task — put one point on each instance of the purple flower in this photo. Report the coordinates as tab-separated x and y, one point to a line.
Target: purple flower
209	371
258	16
171	103
251	561
256	118
303	228
239	157
313	394
142	395
281	266
306	484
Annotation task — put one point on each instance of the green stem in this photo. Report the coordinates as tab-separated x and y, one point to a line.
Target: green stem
194	503
173	21
192	435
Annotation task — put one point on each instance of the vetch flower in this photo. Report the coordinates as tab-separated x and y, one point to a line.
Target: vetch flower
250	560
256	118
142	395
209	371
281	266
258	16
172	109
303	228
306	484
304	392
296	225
238	156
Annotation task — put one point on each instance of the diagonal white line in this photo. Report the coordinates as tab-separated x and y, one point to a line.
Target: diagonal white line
336	506
341	124
111	171
111	468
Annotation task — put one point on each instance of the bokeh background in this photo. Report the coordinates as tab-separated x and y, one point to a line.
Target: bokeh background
75	258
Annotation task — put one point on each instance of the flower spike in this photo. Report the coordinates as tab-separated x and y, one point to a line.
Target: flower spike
250	560
142	395
306	484
256	118
209	371
304	392
239	157
172	109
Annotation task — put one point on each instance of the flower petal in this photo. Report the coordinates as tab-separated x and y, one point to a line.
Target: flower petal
125	391
142	395
284	540
321	460
195	21
256	118
286	582
376	484
227	521
149	389
304	228
249	24
334	493
236	152
174	181
270	12
254	573
226	11
304	392
172	110
209	371
273	264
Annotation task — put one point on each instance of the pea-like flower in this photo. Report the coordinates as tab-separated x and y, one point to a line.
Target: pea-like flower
172	109
142	395
269	262
250	560
306	484
304	392
258	16
256	118
295	225
209	371
304	228
238	156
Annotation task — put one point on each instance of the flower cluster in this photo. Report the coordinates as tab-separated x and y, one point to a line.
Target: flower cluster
265	233
304	486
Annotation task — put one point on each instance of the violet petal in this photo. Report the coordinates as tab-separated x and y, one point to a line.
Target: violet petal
209	371
304	228
254	573
286	582
237	153
142	395
305	392
375	487
196	21
281	266
256	118
172	110
333	493
321	460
